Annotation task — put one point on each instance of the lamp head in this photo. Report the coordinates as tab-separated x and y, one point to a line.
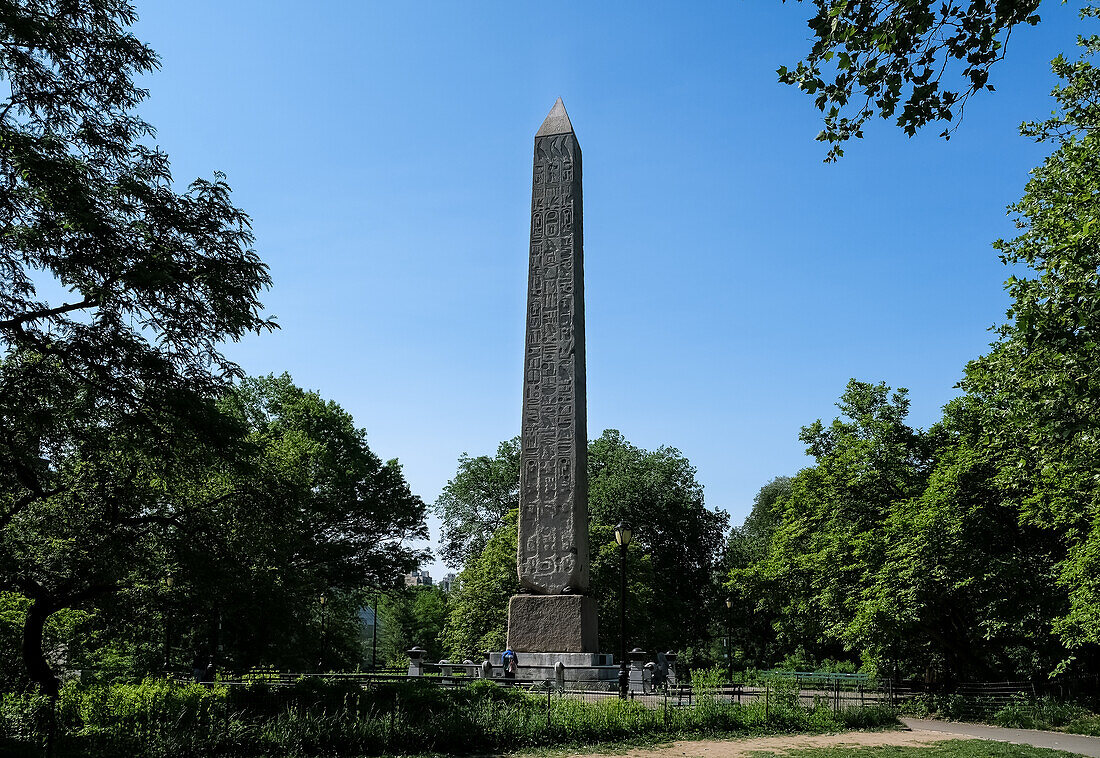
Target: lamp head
623	534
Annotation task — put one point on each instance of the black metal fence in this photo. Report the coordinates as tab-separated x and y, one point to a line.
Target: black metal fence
391	712
982	701
380	708
836	692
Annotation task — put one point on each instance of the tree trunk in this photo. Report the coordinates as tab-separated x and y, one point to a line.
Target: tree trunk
38	668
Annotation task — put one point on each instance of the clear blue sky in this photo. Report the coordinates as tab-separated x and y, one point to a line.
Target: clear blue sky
734	282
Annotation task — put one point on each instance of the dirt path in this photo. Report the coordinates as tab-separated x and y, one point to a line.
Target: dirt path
781	743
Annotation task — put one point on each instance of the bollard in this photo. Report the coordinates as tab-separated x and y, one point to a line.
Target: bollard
670	661
416	661
637	673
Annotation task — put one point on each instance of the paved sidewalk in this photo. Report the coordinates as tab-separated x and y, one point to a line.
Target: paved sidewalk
1073	743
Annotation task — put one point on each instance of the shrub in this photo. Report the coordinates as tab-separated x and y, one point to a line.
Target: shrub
1045	713
313	717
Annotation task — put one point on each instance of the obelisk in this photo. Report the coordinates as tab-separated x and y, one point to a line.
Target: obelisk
555	615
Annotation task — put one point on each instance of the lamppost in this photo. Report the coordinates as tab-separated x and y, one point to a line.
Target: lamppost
324	640
168	622
623	536
374	635
729	636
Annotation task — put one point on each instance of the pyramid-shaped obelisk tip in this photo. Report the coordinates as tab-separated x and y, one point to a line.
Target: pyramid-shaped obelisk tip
557	121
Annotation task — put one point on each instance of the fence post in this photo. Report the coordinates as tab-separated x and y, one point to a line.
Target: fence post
548	691
766	687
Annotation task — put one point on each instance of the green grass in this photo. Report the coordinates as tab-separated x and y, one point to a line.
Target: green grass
949	749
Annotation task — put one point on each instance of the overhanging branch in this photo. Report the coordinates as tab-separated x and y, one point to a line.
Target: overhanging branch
17	321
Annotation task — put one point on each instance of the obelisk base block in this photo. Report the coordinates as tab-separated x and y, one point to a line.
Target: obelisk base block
561	623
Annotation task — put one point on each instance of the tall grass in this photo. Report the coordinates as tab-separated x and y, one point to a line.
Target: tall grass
1021	712
157	719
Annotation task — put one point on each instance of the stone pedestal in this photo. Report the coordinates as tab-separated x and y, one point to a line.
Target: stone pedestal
638	674
577	669
416	661
558	623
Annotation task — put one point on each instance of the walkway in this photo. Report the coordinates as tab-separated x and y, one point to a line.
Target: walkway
1073	743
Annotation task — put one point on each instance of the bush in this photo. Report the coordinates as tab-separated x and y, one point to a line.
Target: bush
1021	712
1045	713
157	718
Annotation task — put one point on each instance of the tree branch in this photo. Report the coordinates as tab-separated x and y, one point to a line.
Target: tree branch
87	302
21	503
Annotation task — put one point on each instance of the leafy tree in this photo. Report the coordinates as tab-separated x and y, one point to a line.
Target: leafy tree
749	625
474	504
964	589
108	524
670	567
412	616
478	615
969	550
1038	387
898	550
751	541
828	537
899	58
657	494
101	390
13	610
311	512
302	510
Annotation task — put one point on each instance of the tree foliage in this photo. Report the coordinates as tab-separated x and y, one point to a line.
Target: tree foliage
914	61
1038	385
677	543
478	615
896	550
670	567
968	550
202	557
475	503
409	617
116	294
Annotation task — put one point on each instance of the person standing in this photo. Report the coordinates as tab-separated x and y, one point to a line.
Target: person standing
510	662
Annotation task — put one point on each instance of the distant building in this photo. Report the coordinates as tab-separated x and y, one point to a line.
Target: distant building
369	630
447	582
418	579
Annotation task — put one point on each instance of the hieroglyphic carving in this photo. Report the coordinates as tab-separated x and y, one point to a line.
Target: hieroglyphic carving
553	520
